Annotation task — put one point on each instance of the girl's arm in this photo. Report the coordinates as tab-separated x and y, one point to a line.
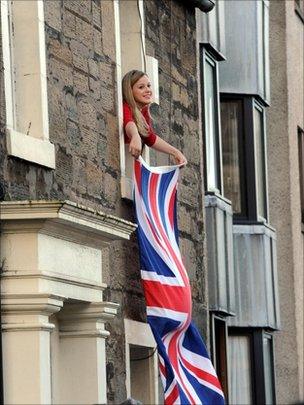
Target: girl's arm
163	146
135	144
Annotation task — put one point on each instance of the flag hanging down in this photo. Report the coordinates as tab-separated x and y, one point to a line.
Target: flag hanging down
186	371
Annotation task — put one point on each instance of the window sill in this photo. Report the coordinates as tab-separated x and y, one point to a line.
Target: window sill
126	185
41	152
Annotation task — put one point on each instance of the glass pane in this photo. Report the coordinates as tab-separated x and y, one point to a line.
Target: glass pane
268	369
260	162
210	128
220	337
230	116
240	388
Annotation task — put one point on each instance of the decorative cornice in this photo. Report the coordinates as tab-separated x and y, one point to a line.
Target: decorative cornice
86	320
95	333
106	226
29	312
42	304
29	327
64	279
95	311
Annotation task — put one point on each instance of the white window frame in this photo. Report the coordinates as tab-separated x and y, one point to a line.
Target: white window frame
33	148
139	60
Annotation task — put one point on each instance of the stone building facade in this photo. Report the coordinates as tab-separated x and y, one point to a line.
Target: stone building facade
226	94
285	121
63	182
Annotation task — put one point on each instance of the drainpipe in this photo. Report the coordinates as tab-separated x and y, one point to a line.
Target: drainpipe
204	5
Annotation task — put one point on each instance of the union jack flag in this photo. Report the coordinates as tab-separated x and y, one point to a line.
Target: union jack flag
186	371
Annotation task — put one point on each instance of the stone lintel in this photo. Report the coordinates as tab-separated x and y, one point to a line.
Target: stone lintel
95	223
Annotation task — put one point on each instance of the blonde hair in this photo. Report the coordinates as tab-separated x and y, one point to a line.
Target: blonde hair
128	82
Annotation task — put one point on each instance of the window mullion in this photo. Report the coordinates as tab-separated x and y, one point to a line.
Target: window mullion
250	159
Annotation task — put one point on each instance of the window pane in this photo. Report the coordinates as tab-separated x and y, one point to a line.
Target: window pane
240	388
268	370
230	120
219	347
260	162
211	128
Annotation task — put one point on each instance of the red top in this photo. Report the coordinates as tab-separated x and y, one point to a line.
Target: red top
128	117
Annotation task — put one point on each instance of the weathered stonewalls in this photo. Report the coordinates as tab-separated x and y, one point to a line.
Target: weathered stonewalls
170	37
82	111
80	54
283	117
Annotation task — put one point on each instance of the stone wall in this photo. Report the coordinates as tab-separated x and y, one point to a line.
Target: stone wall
80	46
283	117
171	38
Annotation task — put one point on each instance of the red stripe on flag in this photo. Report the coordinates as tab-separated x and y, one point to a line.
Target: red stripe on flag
162	369
173	355
153	230
152	198
167	296
172	397
137	172
171	208
203	375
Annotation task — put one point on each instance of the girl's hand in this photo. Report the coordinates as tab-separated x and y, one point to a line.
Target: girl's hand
135	146
179	158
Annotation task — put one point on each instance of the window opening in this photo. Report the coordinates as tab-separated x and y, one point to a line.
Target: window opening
212	144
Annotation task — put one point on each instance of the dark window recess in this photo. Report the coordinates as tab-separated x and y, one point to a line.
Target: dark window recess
244	157
219	332
233	154
211	124
301	169
251	366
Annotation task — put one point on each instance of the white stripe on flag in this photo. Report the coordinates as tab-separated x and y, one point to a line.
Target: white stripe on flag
153	276
196	360
167	313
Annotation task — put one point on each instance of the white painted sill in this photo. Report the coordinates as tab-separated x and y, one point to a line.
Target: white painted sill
126	184
39	151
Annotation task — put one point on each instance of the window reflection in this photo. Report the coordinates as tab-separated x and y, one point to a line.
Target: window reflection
268	369
230	117
240	388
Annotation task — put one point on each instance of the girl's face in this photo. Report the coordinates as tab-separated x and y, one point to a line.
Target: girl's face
142	91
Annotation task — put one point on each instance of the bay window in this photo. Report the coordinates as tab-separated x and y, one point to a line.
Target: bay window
244	157
251	370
